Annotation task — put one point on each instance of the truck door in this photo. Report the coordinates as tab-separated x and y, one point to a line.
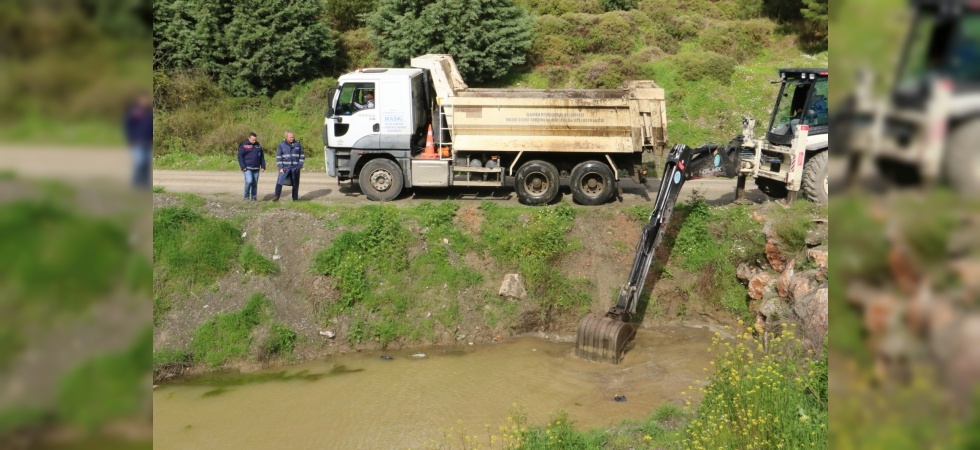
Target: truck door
356	123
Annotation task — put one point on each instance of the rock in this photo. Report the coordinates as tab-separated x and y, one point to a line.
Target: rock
418	355
329	334
878	312
819	256
513	287
816	236
757	216
782	284
244	234
773	309
804	282
774	255
445	241
812	311
902	269
758	285
745	271
968	270
276	257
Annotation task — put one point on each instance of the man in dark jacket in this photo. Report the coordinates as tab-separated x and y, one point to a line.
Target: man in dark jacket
252	160
290	159
138	127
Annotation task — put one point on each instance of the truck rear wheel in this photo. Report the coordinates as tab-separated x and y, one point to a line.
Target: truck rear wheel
815	185
536	183
592	183
381	180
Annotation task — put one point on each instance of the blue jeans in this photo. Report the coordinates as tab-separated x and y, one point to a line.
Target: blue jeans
251	183
142	156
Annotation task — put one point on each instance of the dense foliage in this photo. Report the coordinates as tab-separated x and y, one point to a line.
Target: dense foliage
251	47
486	37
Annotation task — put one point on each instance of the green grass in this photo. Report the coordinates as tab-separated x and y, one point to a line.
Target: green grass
532	240
49	131
228	337
191	250
13	418
711	242
255	262
48	240
791	226
106	387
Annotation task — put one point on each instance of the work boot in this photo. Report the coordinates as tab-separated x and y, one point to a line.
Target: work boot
275	199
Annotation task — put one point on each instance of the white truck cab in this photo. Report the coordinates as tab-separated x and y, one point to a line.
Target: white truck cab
399	112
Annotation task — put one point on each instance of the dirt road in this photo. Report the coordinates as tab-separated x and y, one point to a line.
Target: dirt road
317	186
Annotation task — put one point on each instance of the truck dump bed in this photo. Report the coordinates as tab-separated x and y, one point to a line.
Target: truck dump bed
627	120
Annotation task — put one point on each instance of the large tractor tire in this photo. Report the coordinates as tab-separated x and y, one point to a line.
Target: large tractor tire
536	183
815	184
962	161
592	183
381	180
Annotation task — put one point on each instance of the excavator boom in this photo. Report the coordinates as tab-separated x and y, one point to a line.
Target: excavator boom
604	338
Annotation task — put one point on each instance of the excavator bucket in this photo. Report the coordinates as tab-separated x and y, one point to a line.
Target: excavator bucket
602	339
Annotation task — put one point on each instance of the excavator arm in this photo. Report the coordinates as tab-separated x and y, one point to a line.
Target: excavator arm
604	338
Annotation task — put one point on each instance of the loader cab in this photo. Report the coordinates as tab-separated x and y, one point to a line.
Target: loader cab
802	100
942	43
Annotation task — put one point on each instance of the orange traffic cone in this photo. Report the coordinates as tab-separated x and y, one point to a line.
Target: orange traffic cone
430	148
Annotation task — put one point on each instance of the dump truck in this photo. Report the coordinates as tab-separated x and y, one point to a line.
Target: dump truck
426	128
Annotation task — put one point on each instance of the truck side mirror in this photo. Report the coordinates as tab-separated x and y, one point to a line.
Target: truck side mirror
330	98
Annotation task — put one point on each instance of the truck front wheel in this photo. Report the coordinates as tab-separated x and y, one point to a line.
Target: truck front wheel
592	183
536	183
381	180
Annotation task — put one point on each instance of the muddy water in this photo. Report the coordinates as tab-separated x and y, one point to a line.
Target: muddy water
373	403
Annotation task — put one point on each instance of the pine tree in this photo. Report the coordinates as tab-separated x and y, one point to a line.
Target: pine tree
486	37
815	12
250	47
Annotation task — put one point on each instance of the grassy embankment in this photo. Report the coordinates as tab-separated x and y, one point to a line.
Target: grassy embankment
51	237
406	275
715	60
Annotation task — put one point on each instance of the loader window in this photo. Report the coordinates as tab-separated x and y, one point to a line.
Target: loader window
352	93
789	108
965	57
816	111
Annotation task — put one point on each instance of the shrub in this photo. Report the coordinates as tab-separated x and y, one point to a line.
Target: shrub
767	392
607	72
280	342
622	5
612	35
551	51
358	50
700	65
741	40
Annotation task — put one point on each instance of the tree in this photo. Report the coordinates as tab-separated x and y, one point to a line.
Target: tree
486	37
250	47
815	12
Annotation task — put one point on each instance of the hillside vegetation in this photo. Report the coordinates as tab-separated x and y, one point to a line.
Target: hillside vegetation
715	60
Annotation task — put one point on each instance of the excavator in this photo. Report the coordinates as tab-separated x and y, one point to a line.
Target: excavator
605	338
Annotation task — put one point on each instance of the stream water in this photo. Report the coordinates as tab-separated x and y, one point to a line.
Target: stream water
363	401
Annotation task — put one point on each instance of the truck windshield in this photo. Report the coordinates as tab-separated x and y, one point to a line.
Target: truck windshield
941	46
789	109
